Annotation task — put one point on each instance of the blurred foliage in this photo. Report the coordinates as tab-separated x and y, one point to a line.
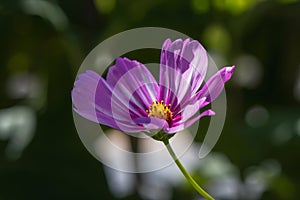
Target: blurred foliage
48	40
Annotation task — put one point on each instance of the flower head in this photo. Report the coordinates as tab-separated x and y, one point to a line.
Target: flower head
131	100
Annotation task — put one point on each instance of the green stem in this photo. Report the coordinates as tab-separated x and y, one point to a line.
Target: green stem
184	171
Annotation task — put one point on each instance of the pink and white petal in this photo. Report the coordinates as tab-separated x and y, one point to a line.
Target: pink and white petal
181	126
91	98
105	102
183	68
168	78
83	98
214	86
129	79
83	95
195	55
189	110
152	123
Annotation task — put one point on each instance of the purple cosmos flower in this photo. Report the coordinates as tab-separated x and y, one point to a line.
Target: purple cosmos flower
131	100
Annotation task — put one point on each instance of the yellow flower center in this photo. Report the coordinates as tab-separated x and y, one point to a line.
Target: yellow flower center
160	110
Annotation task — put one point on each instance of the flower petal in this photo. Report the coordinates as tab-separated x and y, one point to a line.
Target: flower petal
132	81
185	125
83	98
214	86
128	91
152	123
189	110
182	70
94	99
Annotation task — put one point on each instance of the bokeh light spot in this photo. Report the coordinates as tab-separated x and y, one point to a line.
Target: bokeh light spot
200	6
249	73
217	38
257	116
105	6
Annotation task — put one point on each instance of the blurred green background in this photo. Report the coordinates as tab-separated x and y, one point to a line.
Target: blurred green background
43	43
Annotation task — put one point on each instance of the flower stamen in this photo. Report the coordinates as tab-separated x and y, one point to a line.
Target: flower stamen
160	110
